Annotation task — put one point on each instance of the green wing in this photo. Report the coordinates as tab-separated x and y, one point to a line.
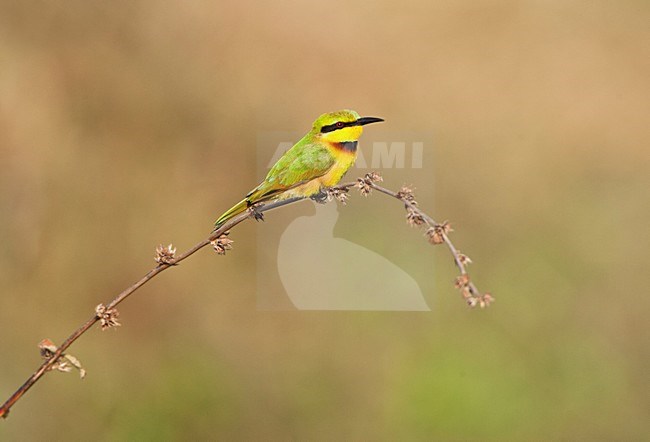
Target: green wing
300	164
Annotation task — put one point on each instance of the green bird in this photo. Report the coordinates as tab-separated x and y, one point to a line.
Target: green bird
318	161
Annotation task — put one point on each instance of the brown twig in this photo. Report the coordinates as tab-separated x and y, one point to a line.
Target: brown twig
437	233
166	258
52	360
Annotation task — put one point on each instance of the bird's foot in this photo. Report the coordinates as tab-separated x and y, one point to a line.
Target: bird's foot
257	215
321	197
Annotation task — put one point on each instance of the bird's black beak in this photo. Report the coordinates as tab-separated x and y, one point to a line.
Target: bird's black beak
367	120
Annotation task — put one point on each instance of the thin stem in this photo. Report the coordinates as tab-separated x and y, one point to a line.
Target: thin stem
364	184
46	366
474	296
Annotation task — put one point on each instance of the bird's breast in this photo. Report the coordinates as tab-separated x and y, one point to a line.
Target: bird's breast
344	153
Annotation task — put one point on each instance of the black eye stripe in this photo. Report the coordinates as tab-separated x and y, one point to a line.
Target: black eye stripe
333	127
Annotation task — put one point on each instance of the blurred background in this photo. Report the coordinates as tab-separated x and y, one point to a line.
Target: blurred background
128	124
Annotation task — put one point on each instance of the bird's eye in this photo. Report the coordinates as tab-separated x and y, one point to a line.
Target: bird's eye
339	124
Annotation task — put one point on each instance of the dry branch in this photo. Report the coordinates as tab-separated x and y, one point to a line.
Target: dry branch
107	315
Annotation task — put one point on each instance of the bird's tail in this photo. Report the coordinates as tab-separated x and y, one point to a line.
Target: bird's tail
234	210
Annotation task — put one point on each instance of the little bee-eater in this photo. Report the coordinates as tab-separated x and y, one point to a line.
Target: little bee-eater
318	161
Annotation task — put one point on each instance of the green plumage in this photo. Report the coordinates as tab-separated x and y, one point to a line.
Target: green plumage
300	164
317	160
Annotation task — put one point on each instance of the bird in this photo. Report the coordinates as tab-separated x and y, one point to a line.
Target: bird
318	161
